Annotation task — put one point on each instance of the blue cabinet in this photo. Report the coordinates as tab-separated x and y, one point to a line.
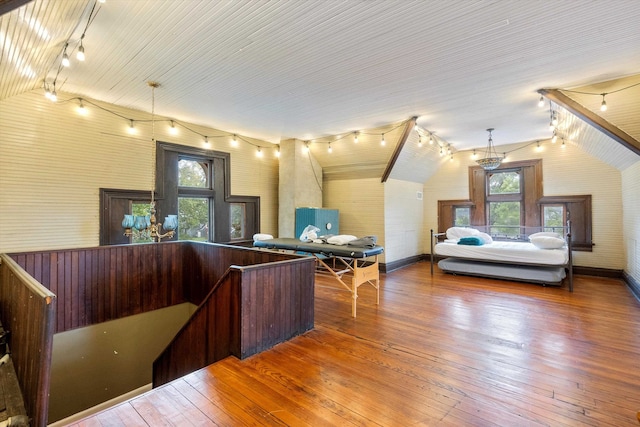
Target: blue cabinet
325	219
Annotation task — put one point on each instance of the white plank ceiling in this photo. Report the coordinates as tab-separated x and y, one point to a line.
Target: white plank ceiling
275	70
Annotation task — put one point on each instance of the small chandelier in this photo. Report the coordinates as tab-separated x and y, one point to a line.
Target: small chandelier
146	225
491	160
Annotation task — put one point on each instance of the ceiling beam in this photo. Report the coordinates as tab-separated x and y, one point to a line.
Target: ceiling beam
7	6
593	119
396	153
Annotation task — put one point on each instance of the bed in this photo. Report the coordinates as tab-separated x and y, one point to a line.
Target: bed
530	259
361	262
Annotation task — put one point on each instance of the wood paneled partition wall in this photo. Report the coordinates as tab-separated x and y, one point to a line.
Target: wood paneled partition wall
262	297
27	310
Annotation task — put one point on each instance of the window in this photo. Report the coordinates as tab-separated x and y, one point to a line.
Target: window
461	216
194	183
237	221
553	218
196	198
193	218
504	203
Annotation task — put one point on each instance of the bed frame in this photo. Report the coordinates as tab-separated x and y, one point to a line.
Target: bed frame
568	266
336	261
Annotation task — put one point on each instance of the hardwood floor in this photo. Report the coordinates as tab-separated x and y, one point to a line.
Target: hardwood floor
447	350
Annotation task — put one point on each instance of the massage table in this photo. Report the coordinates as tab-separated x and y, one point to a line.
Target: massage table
337	260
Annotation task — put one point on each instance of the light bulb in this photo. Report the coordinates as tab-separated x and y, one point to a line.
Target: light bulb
541	101
554	138
355	137
306	147
206	141
234	141
562	143
54	96
430	139
131	129
382	141
47	93
259	152
474	155
603	106
173	130
65	59
278	152
81	109
330	150
80	53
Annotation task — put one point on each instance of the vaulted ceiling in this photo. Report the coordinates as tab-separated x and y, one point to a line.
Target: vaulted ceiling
309	70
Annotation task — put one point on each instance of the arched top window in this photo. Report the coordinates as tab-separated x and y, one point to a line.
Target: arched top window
193	173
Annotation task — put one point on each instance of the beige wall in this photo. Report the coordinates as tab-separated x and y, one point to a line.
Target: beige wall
566	171
54	161
631	219
300	184
403	218
361	206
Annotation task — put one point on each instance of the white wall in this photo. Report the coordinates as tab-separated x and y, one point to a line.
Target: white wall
566	171
54	161
403	220
631	219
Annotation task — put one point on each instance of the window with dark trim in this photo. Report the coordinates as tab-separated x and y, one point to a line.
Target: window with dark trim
199	194
510	198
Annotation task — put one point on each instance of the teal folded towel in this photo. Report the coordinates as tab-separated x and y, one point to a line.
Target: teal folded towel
471	241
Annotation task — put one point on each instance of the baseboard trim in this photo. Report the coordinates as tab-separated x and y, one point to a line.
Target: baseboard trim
632	283
395	265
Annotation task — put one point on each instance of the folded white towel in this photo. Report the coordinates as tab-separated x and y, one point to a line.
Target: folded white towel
258	236
341	239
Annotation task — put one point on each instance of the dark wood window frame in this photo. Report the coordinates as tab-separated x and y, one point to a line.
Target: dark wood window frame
578	207
114	203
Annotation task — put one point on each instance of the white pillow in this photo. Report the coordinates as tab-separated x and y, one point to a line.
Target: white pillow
485	237
262	236
546	234
547	242
458	232
340	239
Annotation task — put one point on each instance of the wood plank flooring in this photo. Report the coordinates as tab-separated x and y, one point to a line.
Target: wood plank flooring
448	350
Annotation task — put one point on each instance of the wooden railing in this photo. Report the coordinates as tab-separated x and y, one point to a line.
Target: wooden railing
27	310
249	310
261	298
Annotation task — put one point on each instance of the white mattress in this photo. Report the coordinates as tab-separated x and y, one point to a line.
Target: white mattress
499	251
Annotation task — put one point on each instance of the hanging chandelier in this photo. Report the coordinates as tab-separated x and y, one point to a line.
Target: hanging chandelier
491	160
147	225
